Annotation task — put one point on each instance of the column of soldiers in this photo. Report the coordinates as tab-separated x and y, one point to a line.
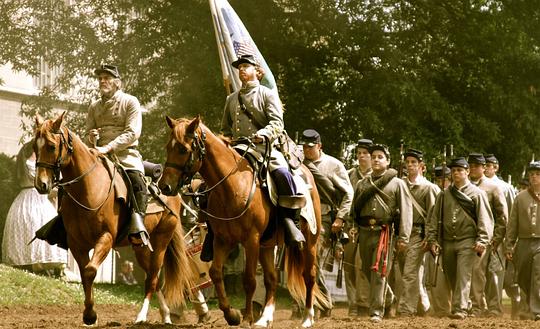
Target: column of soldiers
456	242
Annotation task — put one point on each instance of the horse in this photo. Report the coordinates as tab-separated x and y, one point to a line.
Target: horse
239	211
94	216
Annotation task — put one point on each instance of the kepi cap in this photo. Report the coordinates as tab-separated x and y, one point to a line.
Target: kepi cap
248	59
439	172
415	154
109	69
459	162
476	158
380	147
535	165
310	137
490	158
364	143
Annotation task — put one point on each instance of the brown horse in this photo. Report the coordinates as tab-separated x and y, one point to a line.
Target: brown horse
93	216
239	212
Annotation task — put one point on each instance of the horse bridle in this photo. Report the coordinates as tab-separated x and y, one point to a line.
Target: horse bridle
197	145
57	166
60	159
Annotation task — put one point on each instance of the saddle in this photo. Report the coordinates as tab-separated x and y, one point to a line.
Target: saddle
257	162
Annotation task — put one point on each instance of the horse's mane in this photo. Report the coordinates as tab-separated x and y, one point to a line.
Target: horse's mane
180	130
46	131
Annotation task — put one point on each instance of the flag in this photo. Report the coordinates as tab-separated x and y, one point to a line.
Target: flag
233	41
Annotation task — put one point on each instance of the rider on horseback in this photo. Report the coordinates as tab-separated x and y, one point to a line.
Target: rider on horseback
255	111
114	125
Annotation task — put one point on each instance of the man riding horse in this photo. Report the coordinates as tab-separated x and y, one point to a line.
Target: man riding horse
113	126
255	111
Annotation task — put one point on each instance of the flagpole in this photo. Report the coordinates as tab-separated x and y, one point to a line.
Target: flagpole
220	43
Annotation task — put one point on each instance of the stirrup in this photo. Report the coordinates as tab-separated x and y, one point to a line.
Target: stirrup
138	235
293	235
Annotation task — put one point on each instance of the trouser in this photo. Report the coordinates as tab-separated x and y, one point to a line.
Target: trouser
439	291
379	290
140	190
459	258
495	281
527	262
356	282
424	303
511	286
409	263
322	253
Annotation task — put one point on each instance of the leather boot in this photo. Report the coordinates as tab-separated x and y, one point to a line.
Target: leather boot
207	252
137	231
293	235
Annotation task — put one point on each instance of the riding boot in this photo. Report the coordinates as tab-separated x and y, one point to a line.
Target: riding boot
137	231
207	252
289	211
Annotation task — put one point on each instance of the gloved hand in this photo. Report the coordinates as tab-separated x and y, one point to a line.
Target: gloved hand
103	149
93	136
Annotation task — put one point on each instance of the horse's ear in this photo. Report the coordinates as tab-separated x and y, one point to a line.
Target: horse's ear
194	124
57	124
171	122
38	120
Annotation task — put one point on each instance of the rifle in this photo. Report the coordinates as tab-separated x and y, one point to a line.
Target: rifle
433	174
440	222
401	159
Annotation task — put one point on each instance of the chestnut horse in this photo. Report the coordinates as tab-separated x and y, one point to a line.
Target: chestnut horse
93	216
239	212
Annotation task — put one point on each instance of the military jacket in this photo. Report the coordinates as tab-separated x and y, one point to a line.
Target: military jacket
457	224
424	193
337	174
120	121
355	175
523	222
263	104
499	208
399	200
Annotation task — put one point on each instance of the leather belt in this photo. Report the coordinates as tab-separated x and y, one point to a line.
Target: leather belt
373	222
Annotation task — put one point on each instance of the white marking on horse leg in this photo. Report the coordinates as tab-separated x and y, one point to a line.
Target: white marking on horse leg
163	308
310	318
141	317
267	316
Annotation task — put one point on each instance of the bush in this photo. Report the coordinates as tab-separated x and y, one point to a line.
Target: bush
9	188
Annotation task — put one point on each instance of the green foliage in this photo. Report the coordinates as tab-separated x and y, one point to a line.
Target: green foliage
9	188
431	73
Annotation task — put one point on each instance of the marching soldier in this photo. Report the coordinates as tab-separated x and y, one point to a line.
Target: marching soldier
423	194
523	228
330	174
490	264
462	211
356	282
382	204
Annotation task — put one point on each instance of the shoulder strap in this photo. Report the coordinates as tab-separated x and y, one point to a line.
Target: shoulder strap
248	114
465	202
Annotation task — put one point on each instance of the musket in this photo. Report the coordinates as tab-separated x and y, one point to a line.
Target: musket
401	159
440	221
433	174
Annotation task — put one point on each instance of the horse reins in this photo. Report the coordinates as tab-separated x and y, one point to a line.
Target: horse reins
198	144
58	165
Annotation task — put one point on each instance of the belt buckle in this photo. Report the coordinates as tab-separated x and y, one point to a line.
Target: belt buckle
372	222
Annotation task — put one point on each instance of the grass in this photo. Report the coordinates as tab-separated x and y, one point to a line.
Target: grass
20	287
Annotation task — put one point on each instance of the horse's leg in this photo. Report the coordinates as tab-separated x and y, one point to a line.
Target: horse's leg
251	247
270	283
151	263
88	269
221	251
310	272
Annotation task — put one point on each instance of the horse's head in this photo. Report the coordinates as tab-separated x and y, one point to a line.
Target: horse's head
185	152
53	148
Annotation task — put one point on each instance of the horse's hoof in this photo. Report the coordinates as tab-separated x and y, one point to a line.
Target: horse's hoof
233	318
90	318
260	325
308	323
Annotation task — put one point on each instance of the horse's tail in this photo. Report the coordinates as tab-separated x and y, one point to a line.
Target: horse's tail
179	276
294	266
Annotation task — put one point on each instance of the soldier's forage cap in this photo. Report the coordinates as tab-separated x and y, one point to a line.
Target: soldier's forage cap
459	162
380	147
490	158
534	166
439	172
310	137
109	69
415	154
364	143
476	158
247	59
